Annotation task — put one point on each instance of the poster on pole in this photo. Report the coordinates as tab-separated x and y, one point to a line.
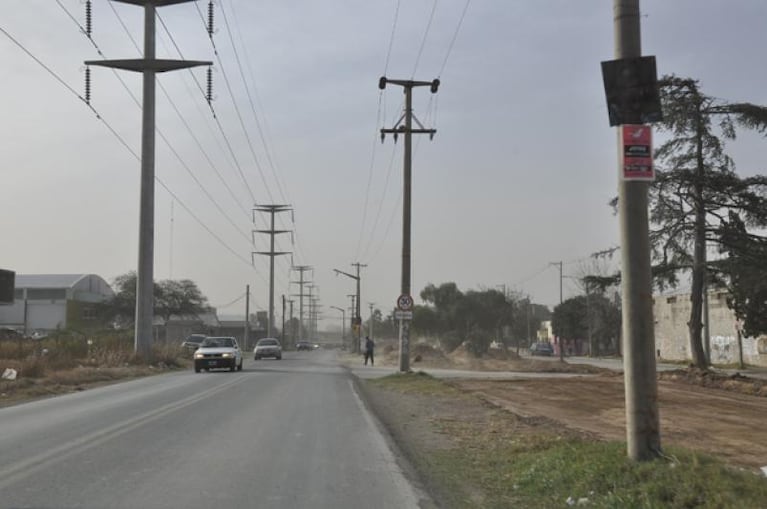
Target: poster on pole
637	152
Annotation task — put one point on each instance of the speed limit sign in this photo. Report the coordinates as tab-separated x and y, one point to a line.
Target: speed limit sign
405	303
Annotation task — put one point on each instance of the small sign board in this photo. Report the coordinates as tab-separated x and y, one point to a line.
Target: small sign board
404	302
631	90
403	315
637	152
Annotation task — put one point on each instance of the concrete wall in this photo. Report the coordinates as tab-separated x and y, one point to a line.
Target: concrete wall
672	312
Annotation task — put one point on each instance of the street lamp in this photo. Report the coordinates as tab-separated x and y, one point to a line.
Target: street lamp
343	323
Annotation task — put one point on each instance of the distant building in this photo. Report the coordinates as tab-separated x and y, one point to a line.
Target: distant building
672	337
46	302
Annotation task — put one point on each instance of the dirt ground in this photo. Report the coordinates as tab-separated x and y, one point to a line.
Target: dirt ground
425	356
724	423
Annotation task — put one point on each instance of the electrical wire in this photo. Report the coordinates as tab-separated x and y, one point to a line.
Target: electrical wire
123	142
425	37
455	37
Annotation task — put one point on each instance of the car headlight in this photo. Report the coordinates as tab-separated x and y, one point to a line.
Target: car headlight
199	356
227	355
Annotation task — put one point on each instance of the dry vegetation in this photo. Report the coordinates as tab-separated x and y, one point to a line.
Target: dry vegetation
67	363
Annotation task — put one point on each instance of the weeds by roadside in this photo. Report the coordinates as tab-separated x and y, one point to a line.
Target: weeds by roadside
66	362
487	457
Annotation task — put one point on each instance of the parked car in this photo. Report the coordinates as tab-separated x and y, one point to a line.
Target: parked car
304	345
193	341
267	347
218	353
544	349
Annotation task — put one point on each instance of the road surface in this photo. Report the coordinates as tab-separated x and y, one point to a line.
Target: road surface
279	434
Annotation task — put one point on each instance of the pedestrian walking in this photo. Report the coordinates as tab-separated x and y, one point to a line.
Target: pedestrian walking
369	347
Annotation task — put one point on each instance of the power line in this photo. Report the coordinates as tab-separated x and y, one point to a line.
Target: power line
425	36
125	144
391	38
237	109
455	36
173	150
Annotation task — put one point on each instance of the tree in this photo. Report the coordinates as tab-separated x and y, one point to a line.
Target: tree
696	188
170	298
180	298
747	271
569	319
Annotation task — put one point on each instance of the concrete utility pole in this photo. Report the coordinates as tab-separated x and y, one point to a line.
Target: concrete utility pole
343	323
642	419
371	304
272	210
149	66
246	332
282	331
352	310
292	325
408	131
357	315
561	277
301	282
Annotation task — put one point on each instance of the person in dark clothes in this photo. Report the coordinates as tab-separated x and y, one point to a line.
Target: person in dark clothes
369	347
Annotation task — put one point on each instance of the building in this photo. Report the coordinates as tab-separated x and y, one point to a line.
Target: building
46	302
672	312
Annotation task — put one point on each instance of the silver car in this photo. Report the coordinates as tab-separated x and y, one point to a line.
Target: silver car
267	347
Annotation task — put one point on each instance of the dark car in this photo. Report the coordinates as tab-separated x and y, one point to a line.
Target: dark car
304	345
544	349
267	347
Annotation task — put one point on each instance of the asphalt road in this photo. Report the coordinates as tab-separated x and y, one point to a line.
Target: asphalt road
279	434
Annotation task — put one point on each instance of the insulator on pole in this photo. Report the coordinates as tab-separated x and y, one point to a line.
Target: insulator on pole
87	85
209	95
210	18
88	18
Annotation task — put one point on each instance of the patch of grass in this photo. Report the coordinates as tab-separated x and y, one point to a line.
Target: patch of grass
544	471
495	459
415	382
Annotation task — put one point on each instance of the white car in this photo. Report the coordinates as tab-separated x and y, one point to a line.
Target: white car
267	347
218	353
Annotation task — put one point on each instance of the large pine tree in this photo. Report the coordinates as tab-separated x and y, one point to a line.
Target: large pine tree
697	194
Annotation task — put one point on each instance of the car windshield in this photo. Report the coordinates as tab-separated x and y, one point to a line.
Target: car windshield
217	343
268	342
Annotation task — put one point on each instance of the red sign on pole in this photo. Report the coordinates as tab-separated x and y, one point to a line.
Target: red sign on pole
637	152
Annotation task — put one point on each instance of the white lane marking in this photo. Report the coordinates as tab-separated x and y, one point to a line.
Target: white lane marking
403	487
24	468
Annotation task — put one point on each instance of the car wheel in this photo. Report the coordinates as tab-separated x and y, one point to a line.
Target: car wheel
239	367
197	370
279	357
255	358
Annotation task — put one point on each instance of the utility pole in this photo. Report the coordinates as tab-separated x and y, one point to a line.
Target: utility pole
352	309
301	282
292	324
371	304
408	131
246	332
343	323
642	419
272	210
282	331
149	66
561	277
357	315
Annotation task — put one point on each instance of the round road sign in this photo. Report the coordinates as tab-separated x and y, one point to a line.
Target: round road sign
405	302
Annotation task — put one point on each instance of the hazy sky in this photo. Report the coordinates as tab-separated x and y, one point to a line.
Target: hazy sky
518	175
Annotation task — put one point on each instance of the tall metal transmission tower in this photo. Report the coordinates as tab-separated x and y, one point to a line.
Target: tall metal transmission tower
149	66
